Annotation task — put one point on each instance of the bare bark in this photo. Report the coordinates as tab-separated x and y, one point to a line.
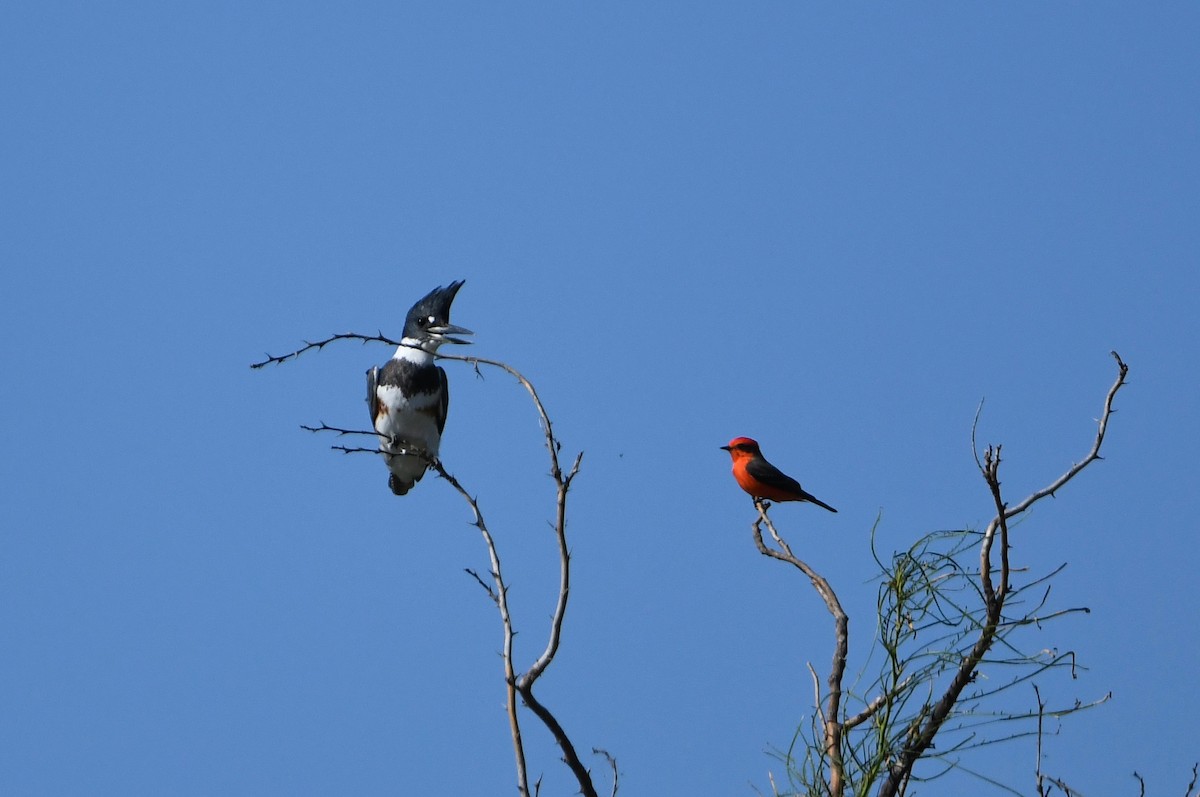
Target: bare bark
832	726
524	682
499	595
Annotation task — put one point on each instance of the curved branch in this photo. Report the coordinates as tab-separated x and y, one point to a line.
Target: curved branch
551	441
320	344
570	757
524	682
1192	784
612	764
877	703
564	589
499	595
832	725
1092	456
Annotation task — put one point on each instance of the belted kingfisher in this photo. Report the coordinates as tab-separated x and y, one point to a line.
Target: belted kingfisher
409	395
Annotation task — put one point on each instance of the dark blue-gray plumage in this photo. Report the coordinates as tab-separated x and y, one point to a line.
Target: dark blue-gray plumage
409	396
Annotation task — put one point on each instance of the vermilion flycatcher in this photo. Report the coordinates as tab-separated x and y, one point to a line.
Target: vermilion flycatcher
762	479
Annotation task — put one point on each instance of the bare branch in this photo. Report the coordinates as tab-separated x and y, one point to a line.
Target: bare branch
486	586
1092	455
547	427
523	684
879	702
500	596
395	446
612	763
355	450
570	757
1064	788
816	682
833	728
324	427
974	428
1192	785
1041	707
320	344
564	589
1141	784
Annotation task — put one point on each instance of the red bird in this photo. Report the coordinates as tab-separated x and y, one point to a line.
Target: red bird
762	479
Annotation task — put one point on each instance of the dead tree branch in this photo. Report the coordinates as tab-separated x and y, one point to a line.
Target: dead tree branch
324	427
1092	455
523	683
320	344
499	595
831	721
1041	713
612	764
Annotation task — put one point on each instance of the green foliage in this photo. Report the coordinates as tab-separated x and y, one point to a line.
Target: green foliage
931	611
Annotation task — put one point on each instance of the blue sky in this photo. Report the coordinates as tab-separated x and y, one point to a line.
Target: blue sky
835	229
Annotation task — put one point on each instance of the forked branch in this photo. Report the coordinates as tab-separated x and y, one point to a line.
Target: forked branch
832	725
523	683
921	739
499	595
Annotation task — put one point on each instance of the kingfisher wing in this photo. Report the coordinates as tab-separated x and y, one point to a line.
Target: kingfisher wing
445	404
772	476
373	393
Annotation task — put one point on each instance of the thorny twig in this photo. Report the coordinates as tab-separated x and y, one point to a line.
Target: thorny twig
320	344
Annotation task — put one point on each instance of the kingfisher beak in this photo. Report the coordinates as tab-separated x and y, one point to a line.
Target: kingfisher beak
444	331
